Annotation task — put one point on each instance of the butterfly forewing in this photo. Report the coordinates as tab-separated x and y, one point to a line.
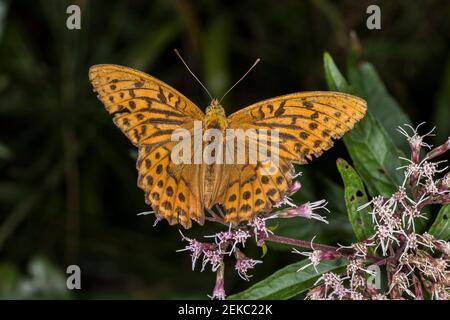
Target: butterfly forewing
147	110
306	121
306	124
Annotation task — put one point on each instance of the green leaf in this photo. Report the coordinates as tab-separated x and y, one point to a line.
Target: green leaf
374	155
264	250
334	77
441	226
368	85
287	282
355	196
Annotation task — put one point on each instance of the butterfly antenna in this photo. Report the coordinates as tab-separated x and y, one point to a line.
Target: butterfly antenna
190	71
242	78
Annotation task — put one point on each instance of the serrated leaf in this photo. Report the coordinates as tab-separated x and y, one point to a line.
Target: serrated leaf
287	282
441	225
355	196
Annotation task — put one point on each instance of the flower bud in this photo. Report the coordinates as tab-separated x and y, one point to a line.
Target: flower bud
294	187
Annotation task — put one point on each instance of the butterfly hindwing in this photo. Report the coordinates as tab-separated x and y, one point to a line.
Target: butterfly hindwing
251	189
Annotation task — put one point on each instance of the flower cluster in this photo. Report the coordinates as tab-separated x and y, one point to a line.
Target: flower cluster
232	241
417	264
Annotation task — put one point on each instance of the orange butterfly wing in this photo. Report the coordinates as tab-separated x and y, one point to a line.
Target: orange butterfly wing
147	111
306	122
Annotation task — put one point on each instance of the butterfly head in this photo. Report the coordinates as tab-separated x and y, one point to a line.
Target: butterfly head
215	115
215	108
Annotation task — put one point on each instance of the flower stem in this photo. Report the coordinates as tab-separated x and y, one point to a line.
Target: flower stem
301	243
316	246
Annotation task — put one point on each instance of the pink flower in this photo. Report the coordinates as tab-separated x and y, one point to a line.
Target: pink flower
224	239
259	229
316	256
240	236
305	210
224	236
244	264
213	257
333	285
415	140
295	186
195	247
360	248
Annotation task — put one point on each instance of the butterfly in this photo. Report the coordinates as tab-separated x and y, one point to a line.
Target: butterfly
148	111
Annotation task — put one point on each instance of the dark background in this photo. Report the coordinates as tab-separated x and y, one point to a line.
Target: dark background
68	190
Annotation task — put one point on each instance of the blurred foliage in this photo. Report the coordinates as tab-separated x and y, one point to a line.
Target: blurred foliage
44	281
68	188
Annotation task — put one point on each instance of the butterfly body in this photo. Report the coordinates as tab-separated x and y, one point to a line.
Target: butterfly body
148	111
